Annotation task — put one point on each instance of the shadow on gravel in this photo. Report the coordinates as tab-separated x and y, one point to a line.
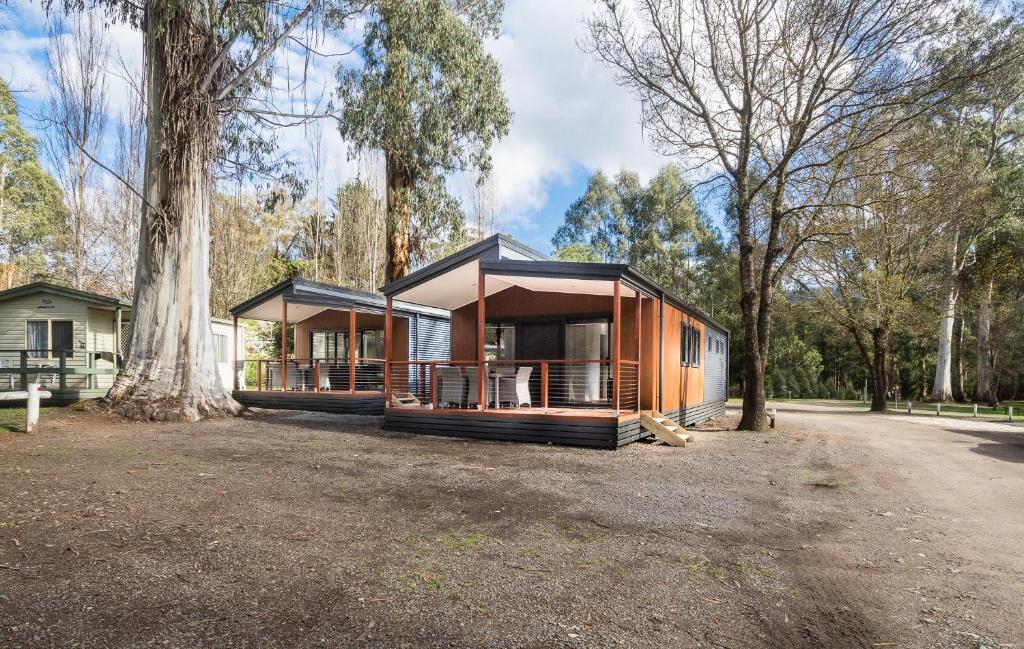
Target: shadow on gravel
1008	447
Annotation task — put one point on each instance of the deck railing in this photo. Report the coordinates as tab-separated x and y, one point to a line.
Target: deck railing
50	367
312	375
539	384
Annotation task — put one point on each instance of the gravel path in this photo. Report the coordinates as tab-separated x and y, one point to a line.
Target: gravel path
299	530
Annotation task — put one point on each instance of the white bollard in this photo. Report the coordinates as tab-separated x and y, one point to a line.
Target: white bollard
32	408
975	410
910	407
1009	413
938	408
771	417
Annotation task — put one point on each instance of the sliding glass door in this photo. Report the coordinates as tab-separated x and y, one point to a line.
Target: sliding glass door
588	340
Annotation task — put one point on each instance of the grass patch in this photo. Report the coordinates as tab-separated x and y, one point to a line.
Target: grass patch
12	420
461	542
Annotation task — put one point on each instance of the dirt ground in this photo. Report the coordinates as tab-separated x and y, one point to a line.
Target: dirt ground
296	530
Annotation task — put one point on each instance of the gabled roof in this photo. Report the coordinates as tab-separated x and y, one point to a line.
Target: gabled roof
453	280
65	291
498	246
319	295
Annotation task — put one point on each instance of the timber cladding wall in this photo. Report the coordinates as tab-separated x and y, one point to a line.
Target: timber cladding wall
517	302
684	386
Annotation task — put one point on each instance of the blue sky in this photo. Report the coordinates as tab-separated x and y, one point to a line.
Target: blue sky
570	117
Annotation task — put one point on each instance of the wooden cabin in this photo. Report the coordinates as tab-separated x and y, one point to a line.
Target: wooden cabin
335	335
72	341
551	351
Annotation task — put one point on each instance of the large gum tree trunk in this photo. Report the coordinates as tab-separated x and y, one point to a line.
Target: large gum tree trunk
985	391
879	371
171	372
398	219
942	387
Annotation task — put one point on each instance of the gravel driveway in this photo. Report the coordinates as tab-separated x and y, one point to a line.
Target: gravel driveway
842	529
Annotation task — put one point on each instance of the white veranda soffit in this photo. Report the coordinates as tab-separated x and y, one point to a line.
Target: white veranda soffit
458	287
271	311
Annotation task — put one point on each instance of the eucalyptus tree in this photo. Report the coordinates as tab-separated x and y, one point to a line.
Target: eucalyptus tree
30	199
656	227
879	257
429	96
760	97
209	66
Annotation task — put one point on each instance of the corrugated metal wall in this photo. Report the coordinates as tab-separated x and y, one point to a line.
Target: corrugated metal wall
717	357
429	340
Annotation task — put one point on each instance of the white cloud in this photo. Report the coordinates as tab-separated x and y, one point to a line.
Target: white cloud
569	112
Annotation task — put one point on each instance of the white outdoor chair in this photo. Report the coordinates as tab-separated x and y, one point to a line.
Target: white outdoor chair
519	385
325	376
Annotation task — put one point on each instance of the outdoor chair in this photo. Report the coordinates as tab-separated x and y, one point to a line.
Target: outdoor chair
452	388
473	385
518	385
325	376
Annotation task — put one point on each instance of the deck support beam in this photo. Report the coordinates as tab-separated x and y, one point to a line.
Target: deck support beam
638	321
388	331
284	345
616	345
352	349
481	326
661	353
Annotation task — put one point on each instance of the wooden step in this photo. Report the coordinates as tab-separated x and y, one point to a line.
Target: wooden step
665	432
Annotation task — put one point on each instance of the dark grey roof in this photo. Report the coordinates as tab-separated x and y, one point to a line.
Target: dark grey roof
491	248
539	265
64	291
296	290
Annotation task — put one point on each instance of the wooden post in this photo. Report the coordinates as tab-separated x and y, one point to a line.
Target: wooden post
352	349
639	345
117	337
433	385
661	352
616	344
284	345
481	327
234	353
63	369
259	375
24	372
316	374
387	351
544	386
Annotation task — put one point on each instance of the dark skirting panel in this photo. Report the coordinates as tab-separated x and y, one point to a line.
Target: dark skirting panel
340	404
556	430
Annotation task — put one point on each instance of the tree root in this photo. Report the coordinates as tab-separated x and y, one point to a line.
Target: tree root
174	408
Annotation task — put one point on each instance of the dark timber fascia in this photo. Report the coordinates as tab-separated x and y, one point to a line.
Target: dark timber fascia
64	291
476	251
295	290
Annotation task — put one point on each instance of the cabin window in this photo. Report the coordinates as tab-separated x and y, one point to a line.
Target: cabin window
39	338
328	344
500	342
220	347
684	346
41	333
371	343
695	346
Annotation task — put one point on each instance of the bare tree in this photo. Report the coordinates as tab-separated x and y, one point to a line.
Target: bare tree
760	96
79	52
209	67
486	206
